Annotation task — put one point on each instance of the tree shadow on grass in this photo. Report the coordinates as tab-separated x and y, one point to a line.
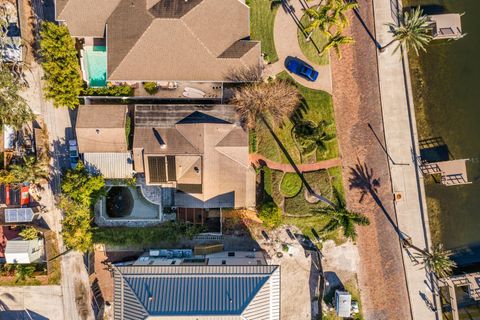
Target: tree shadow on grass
294	166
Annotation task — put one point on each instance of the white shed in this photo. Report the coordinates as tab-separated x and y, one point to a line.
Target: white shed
343	304
24	251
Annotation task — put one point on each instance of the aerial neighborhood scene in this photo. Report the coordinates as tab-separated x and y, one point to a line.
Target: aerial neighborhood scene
239	159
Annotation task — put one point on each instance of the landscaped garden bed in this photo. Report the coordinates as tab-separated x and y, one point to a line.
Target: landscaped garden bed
299	210
316	109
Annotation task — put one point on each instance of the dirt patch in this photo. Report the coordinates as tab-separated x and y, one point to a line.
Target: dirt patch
82	299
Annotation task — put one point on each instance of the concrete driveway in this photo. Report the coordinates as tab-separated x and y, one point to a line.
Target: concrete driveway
38	302
286	44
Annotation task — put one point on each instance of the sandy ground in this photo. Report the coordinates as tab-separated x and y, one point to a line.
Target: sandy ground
297	283
40	302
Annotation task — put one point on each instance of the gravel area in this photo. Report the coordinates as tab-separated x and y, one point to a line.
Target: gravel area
357	103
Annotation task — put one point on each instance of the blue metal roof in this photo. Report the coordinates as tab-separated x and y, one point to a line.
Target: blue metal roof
187	291
200	295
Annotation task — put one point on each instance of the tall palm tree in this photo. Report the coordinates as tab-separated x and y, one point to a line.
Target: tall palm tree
346	220
30	170
320	19
414	31
275	100
335	42
436	260
339	12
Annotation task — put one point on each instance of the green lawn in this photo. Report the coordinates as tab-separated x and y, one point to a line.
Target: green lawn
323	182
261	26
318	39
315	106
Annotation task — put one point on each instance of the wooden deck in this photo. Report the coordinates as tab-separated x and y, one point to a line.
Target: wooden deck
472	280
453	172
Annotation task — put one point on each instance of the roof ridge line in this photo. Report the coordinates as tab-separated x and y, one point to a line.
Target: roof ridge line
133	46
197	38
134	294
200	153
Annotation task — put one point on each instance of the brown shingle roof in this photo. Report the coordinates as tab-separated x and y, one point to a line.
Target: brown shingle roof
219	149
85	18
168	39
101	128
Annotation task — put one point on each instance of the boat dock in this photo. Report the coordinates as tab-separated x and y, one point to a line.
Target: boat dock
452	172
472	280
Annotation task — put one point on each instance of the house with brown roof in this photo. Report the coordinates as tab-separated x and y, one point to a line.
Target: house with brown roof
199	153
162	40
102	142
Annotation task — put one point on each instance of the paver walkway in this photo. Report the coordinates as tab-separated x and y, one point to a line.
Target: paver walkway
286	44
356	100
255	158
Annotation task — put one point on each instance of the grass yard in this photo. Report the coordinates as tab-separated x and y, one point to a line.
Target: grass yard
316	106
320	181
262	17
318	39
323	182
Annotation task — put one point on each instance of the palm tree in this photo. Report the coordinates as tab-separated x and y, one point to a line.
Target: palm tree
275	100
436	260
339	12
14	110
335	41
275	3
31	171
320	19
347	220
414	31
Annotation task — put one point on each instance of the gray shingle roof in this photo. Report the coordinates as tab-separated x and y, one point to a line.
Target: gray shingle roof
202	291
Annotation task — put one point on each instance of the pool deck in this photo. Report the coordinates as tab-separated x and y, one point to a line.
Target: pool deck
142	214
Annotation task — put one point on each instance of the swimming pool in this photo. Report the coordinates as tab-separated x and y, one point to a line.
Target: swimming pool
95	58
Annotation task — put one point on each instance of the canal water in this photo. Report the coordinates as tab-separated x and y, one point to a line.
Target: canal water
446	84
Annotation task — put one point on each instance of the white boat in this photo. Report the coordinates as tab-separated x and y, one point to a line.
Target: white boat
190	94
197	91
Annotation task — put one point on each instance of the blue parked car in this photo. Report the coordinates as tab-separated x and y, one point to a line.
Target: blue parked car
301	68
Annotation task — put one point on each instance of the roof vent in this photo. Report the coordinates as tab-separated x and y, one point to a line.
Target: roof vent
97	131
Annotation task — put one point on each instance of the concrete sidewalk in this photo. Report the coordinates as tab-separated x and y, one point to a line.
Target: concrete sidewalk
402	147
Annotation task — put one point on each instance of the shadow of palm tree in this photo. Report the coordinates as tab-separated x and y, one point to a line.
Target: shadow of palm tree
362	178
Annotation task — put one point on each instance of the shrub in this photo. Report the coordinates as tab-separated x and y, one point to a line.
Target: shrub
291	184
81	187
270	214
267	180
150	87
115	91
61	66
76	229
29	233
128	130
167	232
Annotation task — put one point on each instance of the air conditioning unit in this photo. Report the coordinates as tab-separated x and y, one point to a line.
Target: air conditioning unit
154	253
